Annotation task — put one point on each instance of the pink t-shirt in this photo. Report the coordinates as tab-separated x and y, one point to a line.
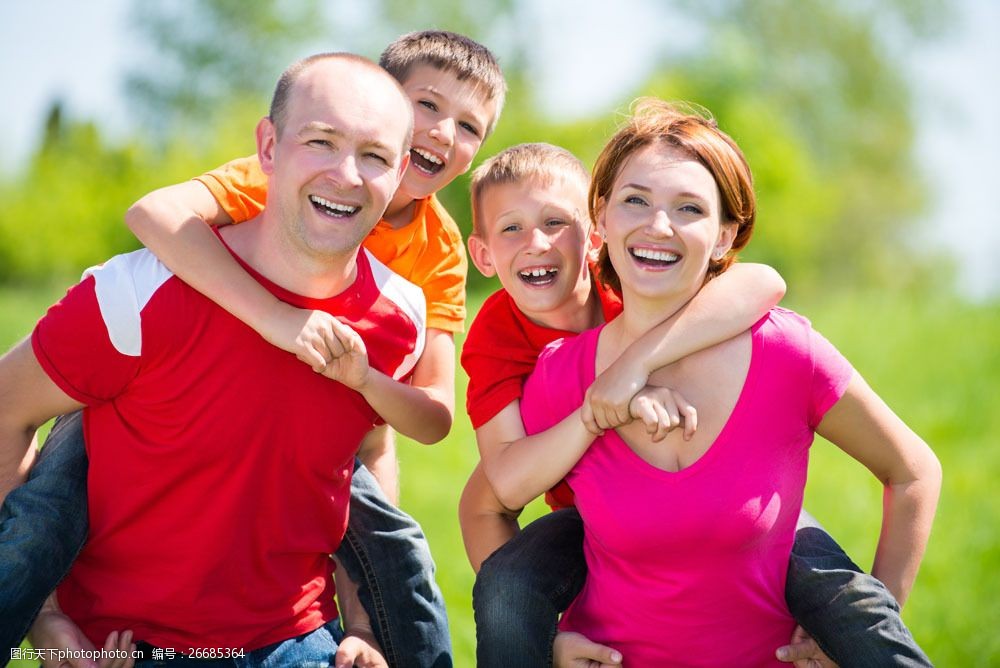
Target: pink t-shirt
688	568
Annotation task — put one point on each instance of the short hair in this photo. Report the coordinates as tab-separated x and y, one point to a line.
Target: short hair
538	161
466	58
654	121
278	112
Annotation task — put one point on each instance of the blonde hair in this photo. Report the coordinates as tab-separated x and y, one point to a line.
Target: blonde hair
466	58
654	121
537	161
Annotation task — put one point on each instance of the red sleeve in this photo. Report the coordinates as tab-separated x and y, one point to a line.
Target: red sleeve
74	348
497	358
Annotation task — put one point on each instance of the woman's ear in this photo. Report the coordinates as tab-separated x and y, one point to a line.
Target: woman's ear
727	234
481	256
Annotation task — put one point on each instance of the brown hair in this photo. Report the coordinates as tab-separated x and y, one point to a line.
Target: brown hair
696	134
449	52
542	162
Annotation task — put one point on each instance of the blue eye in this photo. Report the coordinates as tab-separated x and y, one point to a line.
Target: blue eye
510	228
555	222
430	105
634	199
377	157
691	208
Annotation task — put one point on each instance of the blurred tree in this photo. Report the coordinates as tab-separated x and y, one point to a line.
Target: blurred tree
207	55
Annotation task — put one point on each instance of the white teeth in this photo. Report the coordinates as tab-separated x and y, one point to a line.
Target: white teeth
538	272
649	254
430	157
333	206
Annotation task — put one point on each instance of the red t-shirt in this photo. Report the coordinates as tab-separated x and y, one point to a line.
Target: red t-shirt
500	352
220	465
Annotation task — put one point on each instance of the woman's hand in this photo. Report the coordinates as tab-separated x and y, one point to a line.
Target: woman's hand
662	410
803	651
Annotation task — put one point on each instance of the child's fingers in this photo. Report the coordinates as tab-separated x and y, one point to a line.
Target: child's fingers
690	416
587	416
664	425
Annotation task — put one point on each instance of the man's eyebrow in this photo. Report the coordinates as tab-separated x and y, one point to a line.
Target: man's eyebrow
325	128
317	126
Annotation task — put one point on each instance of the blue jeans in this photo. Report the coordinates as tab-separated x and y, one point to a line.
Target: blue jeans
384	551
523	586
43	524
315	649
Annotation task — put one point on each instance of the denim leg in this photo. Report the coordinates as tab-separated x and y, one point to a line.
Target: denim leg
523	586
43	525
386	554
315	649
849	613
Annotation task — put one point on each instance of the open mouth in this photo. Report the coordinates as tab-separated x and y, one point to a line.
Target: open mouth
655	259
425	161
333	209
538	276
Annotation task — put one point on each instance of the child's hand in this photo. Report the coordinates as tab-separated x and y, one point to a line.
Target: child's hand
606	404
309	335
661	410
350	364
803	651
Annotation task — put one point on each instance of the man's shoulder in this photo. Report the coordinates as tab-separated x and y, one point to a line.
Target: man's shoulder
124	286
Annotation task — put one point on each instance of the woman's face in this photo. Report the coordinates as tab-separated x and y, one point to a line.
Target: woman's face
662	223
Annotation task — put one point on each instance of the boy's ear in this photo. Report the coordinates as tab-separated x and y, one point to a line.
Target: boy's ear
481	256
266	139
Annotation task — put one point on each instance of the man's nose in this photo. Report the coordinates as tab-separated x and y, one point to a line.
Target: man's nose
345	172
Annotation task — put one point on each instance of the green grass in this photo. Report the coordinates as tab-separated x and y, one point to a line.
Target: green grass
937	363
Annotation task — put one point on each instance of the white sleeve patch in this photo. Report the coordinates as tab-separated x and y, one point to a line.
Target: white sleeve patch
124	285
410	299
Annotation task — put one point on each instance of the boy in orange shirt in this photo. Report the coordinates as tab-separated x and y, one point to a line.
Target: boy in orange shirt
457	91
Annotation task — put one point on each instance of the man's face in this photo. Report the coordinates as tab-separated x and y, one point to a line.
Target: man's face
339	156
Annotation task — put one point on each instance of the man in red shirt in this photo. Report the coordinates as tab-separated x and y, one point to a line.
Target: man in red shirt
220	466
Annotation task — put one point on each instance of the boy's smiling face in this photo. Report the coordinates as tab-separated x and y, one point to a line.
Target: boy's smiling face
451	118
536	237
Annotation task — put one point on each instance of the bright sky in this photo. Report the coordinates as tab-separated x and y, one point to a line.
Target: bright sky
77	51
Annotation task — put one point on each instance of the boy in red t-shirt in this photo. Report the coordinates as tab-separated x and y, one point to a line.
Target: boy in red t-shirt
531	229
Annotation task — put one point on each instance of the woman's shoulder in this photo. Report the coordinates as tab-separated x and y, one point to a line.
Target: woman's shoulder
571	349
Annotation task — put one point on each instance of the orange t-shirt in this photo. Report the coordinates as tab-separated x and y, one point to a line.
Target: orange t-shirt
428	251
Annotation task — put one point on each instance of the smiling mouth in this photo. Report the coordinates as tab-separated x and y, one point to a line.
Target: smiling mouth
333	209
538	276
426	162
656	259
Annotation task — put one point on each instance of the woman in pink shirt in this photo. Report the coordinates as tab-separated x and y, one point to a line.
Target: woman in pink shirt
689	531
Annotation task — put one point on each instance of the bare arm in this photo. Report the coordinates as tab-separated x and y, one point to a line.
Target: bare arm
171	222
378	454
486	524
520	467
864	427
727	305
359	647
421	410
28	399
